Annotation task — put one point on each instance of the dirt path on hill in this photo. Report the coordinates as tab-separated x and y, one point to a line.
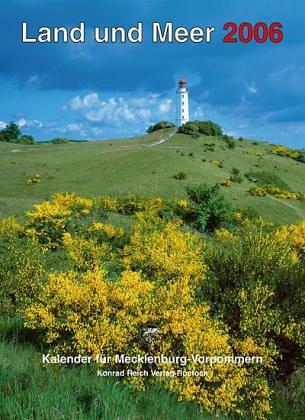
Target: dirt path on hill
297	211
156	143
163	140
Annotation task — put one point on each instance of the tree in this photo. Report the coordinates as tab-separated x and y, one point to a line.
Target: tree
209	207
26	139
10	133
161	125
206	128
59	140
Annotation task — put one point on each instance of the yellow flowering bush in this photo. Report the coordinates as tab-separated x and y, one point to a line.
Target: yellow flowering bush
224	234
106	229
238	217
295	235
259	191
50	219
181	205
87	314
225	182
162	250
85	253
33	179
217	163
90	287
277	192
285	151
178	209
21	269
9	227
107	204
134	204
79	206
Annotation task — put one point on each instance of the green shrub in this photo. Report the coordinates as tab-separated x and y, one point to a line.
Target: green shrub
209	208
206	128
231	144
301	157
26	139
12	134
236	178
167	212
297	387
266	178
249	213
229	141
160	126
59	140
257	285
209	147
180	176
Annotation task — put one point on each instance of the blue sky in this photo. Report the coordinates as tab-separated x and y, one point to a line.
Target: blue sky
98	91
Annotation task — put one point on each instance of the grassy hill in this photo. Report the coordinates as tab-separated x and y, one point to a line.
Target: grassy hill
134	166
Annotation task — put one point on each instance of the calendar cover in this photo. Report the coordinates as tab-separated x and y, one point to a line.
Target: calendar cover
152	209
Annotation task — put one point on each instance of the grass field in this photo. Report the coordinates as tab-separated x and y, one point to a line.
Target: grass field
29	390
123	167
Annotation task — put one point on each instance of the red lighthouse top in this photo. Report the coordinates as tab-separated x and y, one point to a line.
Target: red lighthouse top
182	82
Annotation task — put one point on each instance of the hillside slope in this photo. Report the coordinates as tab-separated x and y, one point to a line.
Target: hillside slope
139	166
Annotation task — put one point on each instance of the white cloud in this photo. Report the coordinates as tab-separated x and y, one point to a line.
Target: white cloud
74	127
2	125
165	106
91	100
75	104
29	123
22	122
71	130
117	111
252	88
32	80
198	113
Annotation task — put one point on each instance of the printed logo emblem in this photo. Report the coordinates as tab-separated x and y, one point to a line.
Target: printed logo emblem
149	333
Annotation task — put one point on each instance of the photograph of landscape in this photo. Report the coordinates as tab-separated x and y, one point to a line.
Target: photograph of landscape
152	210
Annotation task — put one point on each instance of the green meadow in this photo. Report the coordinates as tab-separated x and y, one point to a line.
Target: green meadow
133	166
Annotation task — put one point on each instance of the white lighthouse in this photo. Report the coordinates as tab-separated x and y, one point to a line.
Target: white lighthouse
182	110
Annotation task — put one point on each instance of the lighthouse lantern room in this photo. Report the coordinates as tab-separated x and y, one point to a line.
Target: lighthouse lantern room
182	115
